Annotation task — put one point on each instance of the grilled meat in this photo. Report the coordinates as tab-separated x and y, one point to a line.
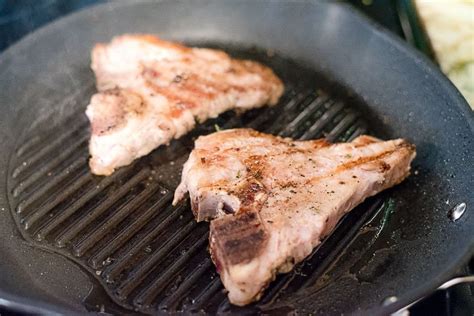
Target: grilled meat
273	199
151	91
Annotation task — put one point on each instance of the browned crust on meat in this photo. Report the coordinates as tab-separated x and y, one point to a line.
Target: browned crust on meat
375	160
248	195
237	238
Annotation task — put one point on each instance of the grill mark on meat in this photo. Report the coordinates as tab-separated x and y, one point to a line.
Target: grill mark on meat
381	165
367	159
198	90
254	163
178	102
218	85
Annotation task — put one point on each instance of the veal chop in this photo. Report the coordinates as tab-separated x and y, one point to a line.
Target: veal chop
273	199
151	91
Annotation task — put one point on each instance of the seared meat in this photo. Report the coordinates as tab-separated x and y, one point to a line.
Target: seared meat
273	199
151	91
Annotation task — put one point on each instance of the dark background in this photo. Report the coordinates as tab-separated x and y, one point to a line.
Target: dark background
20	17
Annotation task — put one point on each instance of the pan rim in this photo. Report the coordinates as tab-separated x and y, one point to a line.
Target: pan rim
424	64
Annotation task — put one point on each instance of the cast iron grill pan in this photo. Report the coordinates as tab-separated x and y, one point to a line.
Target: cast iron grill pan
148	255
122	230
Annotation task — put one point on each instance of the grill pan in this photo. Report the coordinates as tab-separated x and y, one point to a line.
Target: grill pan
116	244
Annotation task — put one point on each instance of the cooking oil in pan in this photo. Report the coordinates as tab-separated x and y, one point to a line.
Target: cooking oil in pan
369	240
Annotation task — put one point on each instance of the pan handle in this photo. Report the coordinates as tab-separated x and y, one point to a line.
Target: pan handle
446	285
456	281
